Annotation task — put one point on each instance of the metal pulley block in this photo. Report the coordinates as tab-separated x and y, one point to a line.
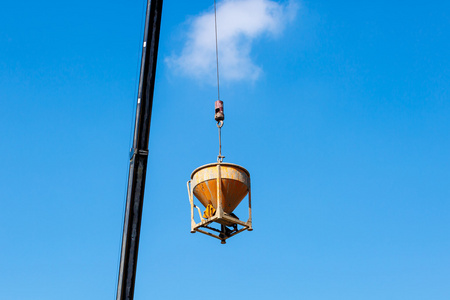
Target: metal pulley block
219	115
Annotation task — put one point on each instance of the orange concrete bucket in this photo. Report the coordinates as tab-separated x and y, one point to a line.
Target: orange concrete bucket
234	185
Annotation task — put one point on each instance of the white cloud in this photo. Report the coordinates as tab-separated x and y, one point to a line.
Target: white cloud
239	23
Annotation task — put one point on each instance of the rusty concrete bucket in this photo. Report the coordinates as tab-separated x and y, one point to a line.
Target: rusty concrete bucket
220	188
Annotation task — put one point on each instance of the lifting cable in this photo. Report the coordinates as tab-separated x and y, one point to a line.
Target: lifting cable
219	115
217	50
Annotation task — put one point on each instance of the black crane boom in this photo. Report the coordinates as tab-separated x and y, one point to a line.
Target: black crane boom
139	153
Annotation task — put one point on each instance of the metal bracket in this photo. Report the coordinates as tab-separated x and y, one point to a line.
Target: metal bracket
134	151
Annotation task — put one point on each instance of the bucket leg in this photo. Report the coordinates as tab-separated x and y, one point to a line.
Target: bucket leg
250	228
191	200
219	211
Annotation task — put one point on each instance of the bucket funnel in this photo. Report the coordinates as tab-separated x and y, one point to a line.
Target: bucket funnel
235	184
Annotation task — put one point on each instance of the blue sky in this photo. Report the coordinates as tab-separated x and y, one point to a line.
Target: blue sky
344	129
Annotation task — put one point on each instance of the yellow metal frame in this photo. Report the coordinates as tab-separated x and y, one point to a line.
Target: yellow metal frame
220	216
